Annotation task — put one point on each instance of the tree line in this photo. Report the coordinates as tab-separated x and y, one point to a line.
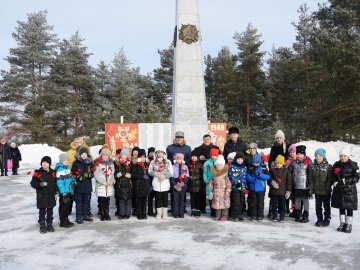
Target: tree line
310	90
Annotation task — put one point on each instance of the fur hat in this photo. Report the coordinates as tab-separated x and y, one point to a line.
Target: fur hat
193	153
253	145
151	149
231	156
179	134
256	158
63	156
105	152
81	150
220	160
280	160
46	159
136	148
345	151
234	130
280	134
301	149
214	152
142	153
124	151
239	155
320	152
292	148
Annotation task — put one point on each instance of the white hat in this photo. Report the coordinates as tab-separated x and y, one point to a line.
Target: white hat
231	156
160	149
220	160
345	151
279	134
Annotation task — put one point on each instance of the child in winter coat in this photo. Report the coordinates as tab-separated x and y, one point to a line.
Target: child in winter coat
16	157
344	197
150	157
237	176
220	185
44	181
195	184
257	178
65	184
299	172
104	182
291	158
280	188
320	182
140	177
179	185
214	153
161	169
82	170
123	184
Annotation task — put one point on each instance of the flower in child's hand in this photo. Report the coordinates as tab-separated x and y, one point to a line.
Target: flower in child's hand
279	180
28	173
337	170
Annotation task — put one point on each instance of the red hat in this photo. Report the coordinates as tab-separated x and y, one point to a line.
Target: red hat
214	152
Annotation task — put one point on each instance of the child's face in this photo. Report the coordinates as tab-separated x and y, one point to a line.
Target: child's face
194	158
279	165
151	154
219	166
45	165
239	161
84	156
253	151
65	162
300	156
292	155
214	157
160	154
344	158
105	157
179	160
234	136
319	159
124	157
135	153
142	158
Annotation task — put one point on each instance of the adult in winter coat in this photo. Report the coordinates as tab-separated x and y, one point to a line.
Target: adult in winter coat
195	184
5	155
320	182
78	142
82	170
65	184
280	147
44	181
16	157
344	196
123	184
104	182
179	185
161	169
280	188
142	183
234	144
179	146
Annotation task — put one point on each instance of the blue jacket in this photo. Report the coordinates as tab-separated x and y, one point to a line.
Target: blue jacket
174	148
64	181
237	176
257	179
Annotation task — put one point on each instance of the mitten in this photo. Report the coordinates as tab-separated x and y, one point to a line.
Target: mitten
43	184
287	194
146	177
119	174
275	184
128	175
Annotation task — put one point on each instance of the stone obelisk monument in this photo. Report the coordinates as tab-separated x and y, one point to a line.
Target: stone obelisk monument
189	101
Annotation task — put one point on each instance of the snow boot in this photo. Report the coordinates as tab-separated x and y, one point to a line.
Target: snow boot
297	215
63	223
68	222
158	213
87	218
342	224
49	226
42	227
348	224
107	216
79	220
102	214
305	218
164	213
325	223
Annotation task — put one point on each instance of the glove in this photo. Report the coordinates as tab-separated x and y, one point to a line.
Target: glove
43	184
287	194
127	175
275	184
146	177
119	174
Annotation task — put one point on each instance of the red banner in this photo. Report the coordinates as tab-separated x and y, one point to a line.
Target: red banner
121	135
217	132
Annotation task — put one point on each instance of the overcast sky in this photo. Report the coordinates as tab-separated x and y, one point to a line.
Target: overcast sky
143	26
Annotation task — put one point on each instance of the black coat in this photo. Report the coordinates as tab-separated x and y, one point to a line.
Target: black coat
4	155
141	185
344	196
83	171
123	185
204	150
278	150
45	196
196	182
231	146
15	156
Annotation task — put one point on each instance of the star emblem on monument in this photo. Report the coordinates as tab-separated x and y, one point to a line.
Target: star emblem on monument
188	33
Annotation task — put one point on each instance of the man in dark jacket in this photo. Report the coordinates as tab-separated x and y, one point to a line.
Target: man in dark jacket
203	151
234	144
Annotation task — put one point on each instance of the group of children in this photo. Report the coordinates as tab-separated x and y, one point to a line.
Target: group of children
131	178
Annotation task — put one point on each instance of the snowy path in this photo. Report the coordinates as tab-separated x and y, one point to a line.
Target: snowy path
172	244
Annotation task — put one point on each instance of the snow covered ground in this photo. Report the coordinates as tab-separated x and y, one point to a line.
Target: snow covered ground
172	244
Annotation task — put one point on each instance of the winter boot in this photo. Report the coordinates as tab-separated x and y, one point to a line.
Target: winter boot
164	213
49	226
325	223
305	218
297	215
79	220
342	224
223	218
198	213
158	213
63	223
107	216
87	218
319	223
42	227
192	214
102	214
151	213
68	222
348	224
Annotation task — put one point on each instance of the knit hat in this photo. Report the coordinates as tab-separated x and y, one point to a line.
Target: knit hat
193	153
220	160
142	153
105	152
160	149
135	149
231	156
280	160
214	152
46	159
81	150
151	149
301	149
292	148
345	151
234	130
320	152
256	159
279	134
253	145
239	155
179	134
179	155
124	151
63	156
